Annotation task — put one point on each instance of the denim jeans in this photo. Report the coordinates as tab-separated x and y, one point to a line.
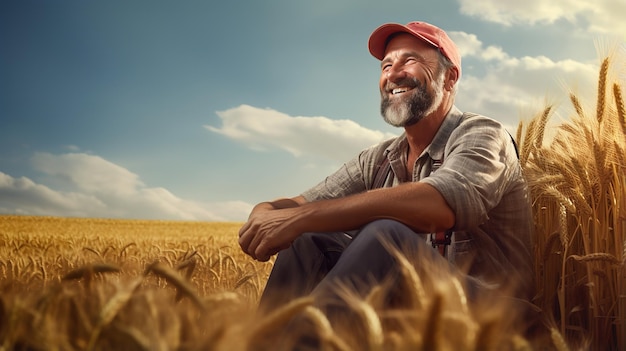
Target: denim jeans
315	262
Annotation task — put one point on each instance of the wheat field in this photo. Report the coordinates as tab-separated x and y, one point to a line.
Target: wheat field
39	249
577	179
99	284
96	284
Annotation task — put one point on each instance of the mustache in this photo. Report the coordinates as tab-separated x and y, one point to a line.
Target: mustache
409	82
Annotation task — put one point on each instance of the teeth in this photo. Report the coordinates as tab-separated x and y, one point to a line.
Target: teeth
398	90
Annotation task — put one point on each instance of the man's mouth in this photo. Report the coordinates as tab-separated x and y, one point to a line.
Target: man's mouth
401	87
400	90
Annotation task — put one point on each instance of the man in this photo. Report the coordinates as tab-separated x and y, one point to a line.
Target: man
449	172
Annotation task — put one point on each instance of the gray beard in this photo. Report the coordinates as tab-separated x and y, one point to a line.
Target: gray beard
408	110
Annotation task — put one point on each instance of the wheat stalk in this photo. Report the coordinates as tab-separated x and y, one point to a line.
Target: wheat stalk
433	332
242	280
458	287
370	320
172	277
276	320
619	103
222	298
93	251
123	250
599	154
549	246
486	335
527	144
520	343
412	281
330	340
604	68
138	341
582	173
597	257
111	309
541	127
376	296
577	106
188	265
88	270
557	340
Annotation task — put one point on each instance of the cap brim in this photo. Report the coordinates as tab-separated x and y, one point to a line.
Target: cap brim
378	39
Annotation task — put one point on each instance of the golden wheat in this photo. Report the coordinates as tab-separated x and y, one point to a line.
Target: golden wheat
124	297
111	309
619	104
578	184
262	332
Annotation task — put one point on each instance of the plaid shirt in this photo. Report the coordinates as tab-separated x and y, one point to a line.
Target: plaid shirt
476	169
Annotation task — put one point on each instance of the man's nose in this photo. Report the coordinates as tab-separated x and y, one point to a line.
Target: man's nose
395	73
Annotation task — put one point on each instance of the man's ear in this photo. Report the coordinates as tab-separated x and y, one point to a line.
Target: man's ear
452	76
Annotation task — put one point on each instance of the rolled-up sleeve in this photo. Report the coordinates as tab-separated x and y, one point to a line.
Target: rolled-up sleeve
348	179
352	178
474	174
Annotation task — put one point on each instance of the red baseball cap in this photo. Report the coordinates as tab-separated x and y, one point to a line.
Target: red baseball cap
427	32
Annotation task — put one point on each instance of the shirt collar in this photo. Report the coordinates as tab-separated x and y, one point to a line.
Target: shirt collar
437	146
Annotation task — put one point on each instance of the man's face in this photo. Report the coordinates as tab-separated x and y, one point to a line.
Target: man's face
411	83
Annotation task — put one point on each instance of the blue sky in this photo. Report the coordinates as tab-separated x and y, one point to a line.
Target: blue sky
197	110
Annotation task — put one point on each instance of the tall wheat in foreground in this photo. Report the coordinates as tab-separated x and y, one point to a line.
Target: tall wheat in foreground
578	186
83	284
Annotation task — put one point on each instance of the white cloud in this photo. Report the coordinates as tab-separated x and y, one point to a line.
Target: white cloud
518	83
262	129
493	53
96	187
23	196
91	174
599	16
468	44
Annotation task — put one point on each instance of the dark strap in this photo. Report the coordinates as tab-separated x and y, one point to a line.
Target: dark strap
441	240
381	173
514	145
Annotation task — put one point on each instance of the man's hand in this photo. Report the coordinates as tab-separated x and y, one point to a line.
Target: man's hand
273	226
269	229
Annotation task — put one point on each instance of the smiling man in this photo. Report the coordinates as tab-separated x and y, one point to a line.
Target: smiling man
449	188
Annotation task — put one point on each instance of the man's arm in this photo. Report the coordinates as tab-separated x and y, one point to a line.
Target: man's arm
271	229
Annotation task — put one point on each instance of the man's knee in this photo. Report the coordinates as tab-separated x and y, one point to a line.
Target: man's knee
389	230
386	225
387	236
303	241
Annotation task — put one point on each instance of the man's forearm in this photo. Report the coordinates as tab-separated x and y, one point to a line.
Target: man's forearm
418	205
269	229
287	202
